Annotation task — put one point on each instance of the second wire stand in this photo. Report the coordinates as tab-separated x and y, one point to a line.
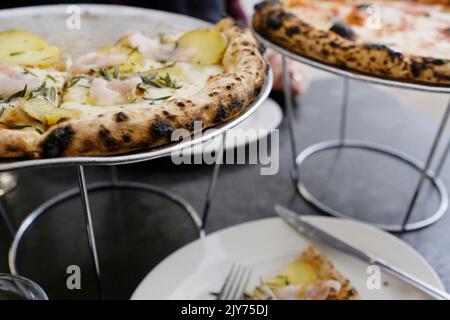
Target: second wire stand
424	169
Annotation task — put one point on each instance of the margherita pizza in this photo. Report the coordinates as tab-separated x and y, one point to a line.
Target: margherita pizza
131	95
407	40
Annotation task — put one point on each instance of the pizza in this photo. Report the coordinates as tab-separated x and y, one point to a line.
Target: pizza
309	277
128	96
406	40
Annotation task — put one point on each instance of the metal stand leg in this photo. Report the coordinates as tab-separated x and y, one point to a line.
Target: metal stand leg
89	227
287	89
343	124
443	158
8	181
7	221
426	168
213	182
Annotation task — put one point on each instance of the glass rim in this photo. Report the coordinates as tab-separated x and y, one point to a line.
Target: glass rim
37	290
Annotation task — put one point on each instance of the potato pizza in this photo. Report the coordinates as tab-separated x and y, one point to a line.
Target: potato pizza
128	96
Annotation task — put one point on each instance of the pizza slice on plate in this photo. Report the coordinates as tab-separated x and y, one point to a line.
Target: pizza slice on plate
310	277
407	40
133	94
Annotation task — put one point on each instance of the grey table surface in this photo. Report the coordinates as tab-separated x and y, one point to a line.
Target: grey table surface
136	230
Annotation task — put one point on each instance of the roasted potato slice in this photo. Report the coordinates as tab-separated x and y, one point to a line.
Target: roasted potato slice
44	58
203	46
298	272
28	49
46	112
13	41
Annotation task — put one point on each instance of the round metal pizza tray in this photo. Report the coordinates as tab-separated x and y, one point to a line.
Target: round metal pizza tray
350	74
100	25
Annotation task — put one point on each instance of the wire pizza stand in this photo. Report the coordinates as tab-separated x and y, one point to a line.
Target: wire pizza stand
425	170
84	188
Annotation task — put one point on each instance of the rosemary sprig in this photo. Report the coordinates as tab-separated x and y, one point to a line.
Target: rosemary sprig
15	126
19	94
162	38
74	81
41	91
116	72
53	94
15	53
51	77
152	101
160	82
135	49
168	82
363	6
2	111
26	71
150	80
105	74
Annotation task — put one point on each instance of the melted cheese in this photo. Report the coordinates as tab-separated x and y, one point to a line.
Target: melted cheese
189	78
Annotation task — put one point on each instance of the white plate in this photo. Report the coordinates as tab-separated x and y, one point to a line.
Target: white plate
267	246
267	117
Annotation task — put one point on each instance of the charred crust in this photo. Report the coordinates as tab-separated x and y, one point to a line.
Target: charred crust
88	145
437	62
162	129
57	141
257	91
261	5
221	115
261	48
442	76
274	21
237	103
121	117
392	53
126	138
266	3
334	44
290	31
344	30
375	46
108	140
13	149
416	68
181	104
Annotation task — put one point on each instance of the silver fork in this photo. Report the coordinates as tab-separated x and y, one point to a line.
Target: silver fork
235	283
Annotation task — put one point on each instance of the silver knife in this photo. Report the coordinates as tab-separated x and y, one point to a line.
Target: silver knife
299	224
